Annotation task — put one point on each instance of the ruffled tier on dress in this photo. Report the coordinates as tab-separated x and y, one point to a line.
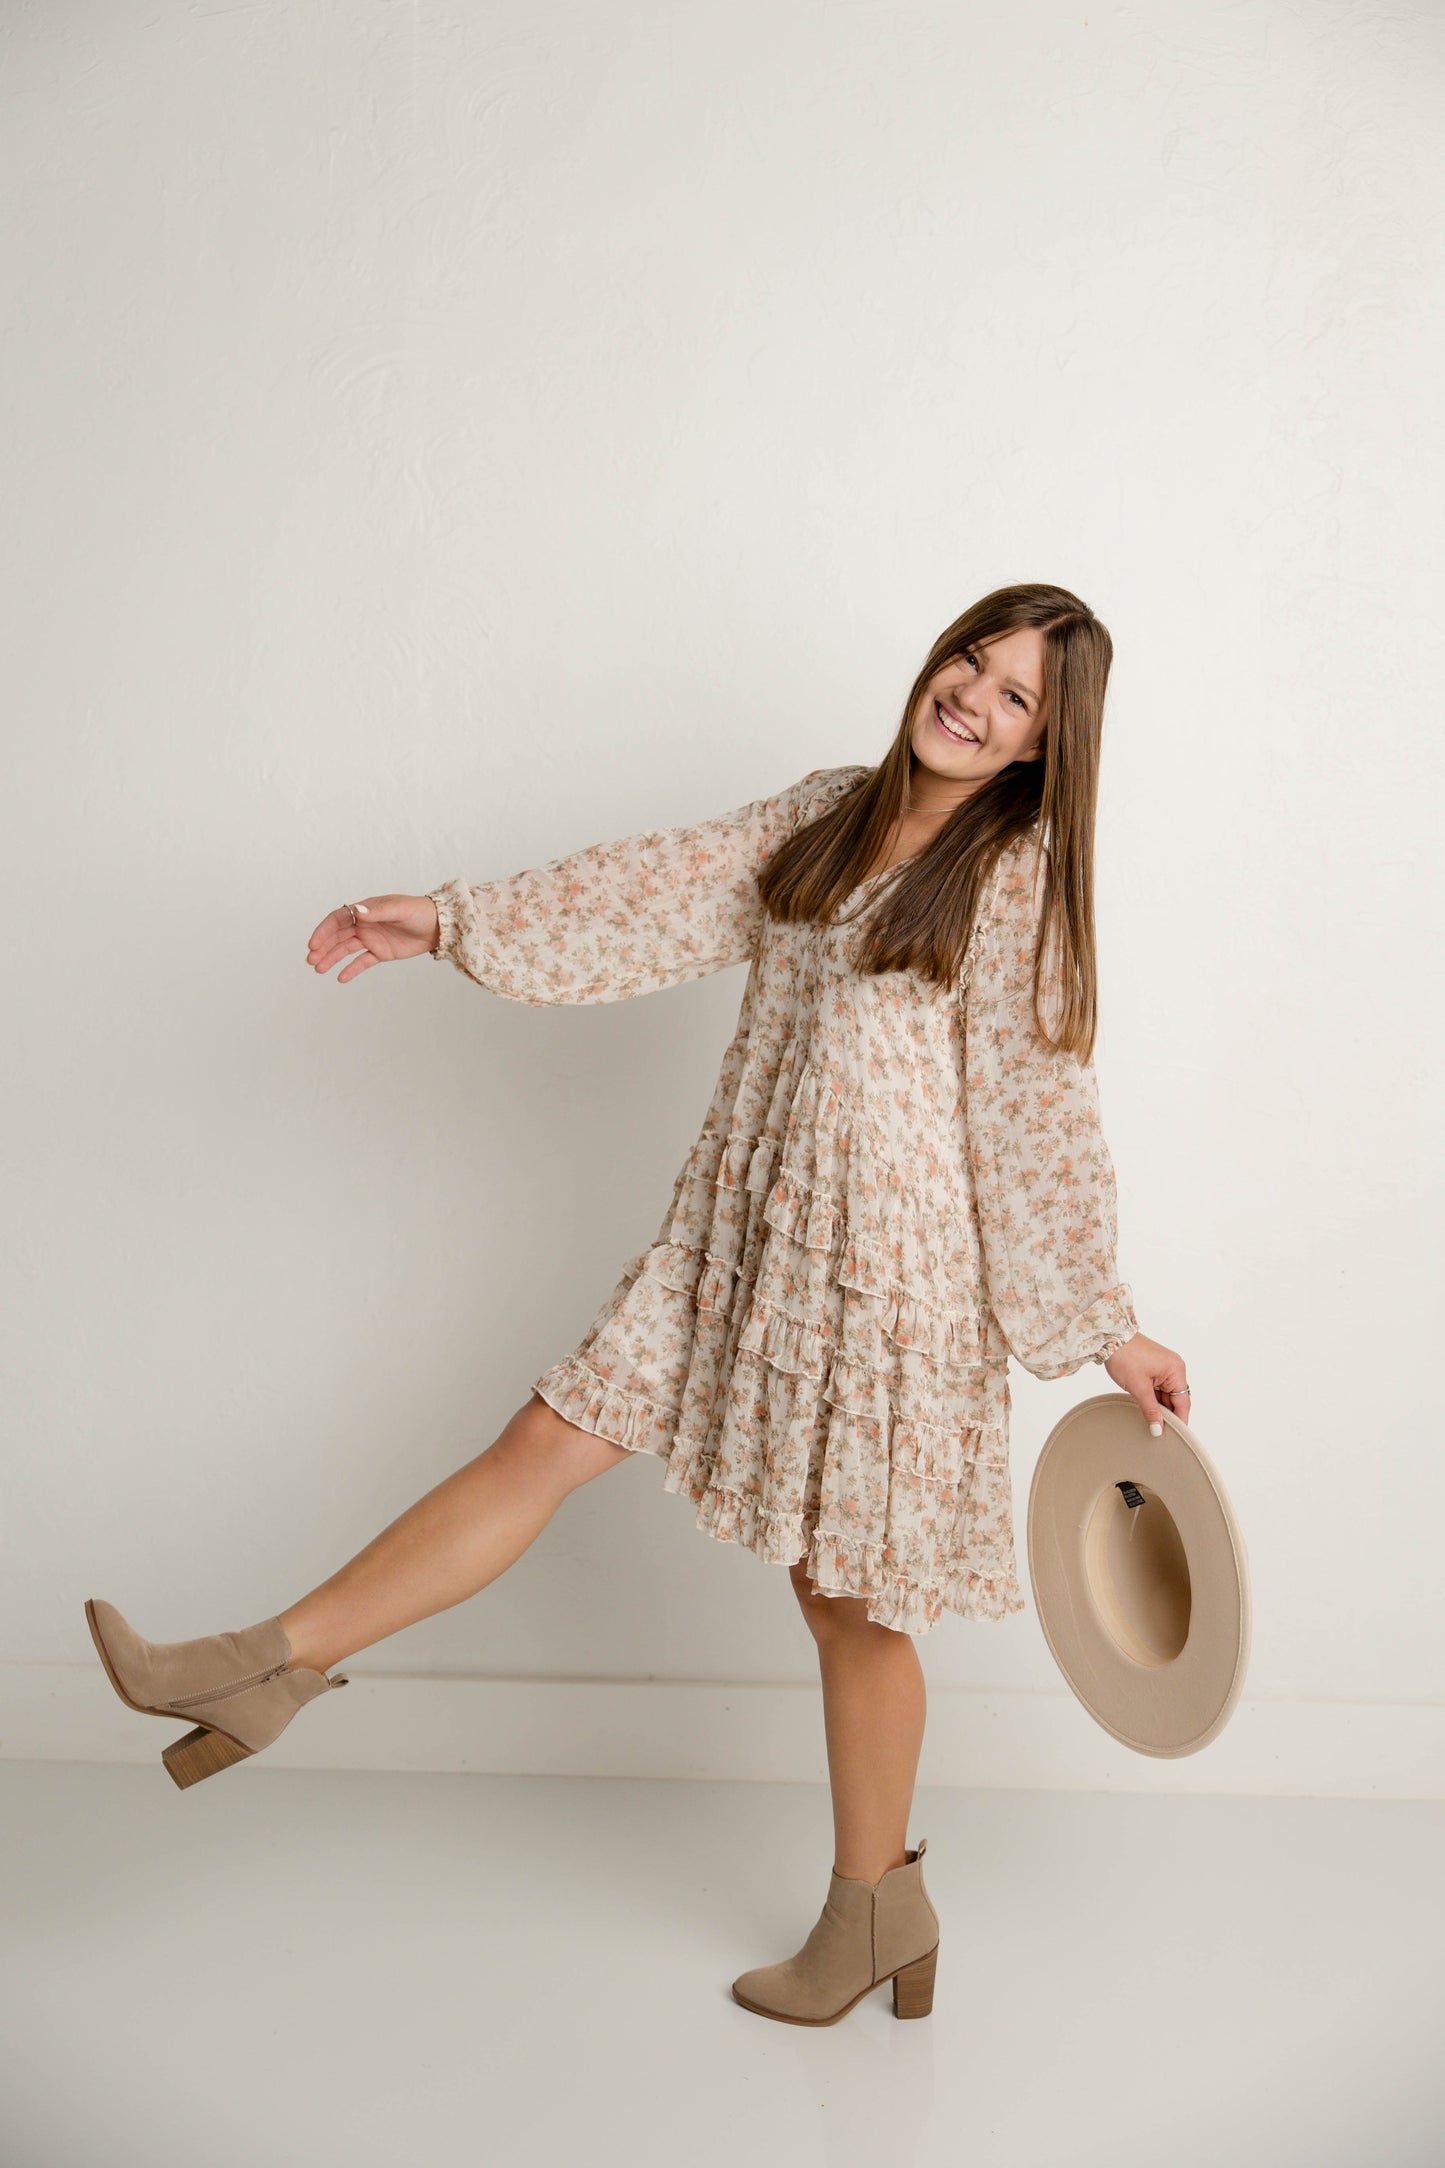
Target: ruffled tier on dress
802	1346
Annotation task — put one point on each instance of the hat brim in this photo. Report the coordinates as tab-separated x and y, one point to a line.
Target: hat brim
1145	1607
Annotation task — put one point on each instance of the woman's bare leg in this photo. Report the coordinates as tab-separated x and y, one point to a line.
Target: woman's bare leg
453	1541
874	1707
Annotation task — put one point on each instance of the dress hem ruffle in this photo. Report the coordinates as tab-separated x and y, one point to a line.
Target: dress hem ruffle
838	1562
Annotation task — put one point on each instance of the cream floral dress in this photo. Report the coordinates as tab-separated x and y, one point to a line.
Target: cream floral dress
896	1186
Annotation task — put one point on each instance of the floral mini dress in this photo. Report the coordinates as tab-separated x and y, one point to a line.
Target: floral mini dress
896	1186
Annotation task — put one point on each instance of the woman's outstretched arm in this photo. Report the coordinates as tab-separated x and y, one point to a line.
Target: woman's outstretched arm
624	918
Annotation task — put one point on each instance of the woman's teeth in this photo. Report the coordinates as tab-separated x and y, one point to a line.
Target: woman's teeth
959	735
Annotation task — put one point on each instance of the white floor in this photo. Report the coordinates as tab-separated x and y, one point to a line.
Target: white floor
295	1969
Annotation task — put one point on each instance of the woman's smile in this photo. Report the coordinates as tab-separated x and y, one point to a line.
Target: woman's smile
953	726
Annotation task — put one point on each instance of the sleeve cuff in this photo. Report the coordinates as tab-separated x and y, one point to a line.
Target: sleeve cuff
450	909
1092	1336
1115	1341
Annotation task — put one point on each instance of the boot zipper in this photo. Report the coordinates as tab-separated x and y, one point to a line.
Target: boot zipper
222	1693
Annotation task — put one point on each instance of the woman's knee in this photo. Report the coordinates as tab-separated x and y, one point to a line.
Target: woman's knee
573	1455
825	1615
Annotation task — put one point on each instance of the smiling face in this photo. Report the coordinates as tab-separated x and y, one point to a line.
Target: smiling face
991	703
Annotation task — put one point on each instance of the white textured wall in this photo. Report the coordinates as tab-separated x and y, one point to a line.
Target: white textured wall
438	437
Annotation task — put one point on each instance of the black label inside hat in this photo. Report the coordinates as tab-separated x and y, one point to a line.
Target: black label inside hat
1133	1496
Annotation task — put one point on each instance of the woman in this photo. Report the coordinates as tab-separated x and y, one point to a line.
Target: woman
901	1179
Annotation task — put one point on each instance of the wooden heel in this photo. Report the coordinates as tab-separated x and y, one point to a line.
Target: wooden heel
913	1986
201	1753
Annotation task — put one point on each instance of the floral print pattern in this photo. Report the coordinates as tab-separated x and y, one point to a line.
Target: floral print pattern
896	1186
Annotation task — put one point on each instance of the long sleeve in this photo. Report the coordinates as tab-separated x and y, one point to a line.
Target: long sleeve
1043	1176
625	918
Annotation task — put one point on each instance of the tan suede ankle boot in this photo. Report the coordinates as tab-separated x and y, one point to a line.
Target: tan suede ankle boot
235	1688
868	1932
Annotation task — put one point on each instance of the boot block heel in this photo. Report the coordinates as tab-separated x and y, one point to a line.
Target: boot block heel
913	1986
201	1753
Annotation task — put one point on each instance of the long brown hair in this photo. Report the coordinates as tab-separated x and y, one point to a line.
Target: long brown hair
924	914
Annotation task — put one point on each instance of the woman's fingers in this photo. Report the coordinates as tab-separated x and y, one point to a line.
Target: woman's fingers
363	962
339	926
330	931
362	959
323	953
1155	1376
1170	1388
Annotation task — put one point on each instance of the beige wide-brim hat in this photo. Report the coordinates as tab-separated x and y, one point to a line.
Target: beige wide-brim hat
1140	1575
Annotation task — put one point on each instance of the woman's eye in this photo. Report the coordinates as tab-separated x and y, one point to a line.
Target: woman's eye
970	658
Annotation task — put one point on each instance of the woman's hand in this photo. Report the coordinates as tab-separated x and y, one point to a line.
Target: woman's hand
388	929
1152	1373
